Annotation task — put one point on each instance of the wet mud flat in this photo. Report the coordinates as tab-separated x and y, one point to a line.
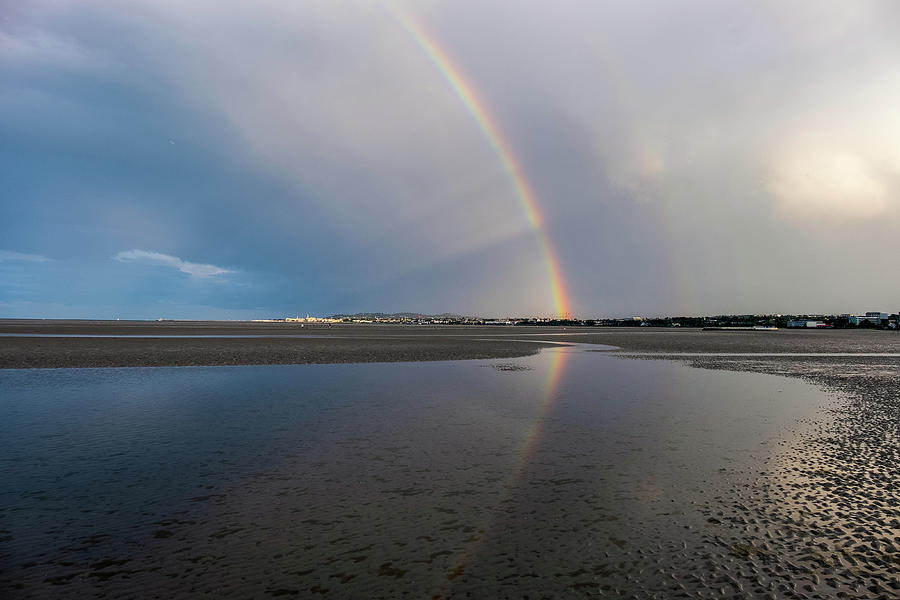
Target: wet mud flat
72	352
208	343
190	343
820	516
652	340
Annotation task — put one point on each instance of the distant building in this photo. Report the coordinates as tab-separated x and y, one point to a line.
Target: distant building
872	316
797	323
309	319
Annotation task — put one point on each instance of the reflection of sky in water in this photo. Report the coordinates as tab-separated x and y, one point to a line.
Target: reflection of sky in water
334	471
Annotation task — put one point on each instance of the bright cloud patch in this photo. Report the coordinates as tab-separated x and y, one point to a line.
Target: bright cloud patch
192	269
819	182
12	256
840	157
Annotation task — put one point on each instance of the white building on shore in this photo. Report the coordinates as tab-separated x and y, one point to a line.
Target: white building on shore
309	319
873	316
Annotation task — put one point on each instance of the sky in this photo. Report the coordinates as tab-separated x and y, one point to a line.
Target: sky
230	160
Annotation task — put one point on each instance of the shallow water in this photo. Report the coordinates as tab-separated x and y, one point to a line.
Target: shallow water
560	474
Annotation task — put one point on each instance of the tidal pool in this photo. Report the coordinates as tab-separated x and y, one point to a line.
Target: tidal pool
564	474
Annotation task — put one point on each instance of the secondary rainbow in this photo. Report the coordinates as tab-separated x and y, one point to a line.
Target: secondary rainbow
477	108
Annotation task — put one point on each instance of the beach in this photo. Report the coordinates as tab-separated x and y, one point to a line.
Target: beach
198	343
820	516
805	506
217	343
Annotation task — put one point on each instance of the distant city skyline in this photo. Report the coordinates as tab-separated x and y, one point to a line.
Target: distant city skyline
213	160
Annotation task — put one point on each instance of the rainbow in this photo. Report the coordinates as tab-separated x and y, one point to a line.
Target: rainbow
488	125
531	441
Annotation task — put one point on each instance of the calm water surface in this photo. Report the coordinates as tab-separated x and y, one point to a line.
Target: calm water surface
568	473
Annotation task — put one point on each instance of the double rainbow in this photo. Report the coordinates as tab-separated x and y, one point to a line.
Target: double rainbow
488	126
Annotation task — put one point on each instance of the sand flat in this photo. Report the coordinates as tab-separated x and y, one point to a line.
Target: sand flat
346	343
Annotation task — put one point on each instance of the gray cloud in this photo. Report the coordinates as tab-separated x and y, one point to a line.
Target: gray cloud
697	157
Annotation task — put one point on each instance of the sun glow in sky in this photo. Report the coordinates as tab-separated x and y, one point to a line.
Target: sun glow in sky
243	160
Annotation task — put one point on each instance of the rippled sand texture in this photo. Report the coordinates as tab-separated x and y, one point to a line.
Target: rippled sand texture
822	518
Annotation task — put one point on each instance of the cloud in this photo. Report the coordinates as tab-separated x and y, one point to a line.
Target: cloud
193	269
651	133
41	49
12	256
842	158
833	184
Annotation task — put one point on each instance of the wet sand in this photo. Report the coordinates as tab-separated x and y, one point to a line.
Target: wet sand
819	515
319	344
371	343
